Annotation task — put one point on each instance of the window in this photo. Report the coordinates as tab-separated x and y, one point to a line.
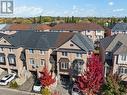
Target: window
42	62
42	52
123	57
31	61
98	31
4	41
121	71
2	59
64	65
125	71
89	36
31	50
79	55
1	49
88	30
71	45
11	60
11	50
64	54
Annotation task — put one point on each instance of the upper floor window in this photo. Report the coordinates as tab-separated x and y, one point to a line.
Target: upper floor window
123	57
42	62
31	51
88	30
2	59
89	36
42	52
11	50
64	54
98	31
1	49
31	61
79	55
64	65
11	60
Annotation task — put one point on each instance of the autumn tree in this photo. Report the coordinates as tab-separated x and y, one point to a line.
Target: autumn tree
92	79
46	78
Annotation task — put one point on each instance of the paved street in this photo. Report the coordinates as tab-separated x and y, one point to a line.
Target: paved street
6	91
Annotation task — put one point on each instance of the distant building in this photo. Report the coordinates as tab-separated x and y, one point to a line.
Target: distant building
13	28
91	30
119	28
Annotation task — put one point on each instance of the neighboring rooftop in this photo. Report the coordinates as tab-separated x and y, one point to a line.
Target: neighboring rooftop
120	27
46	40
18	27
77	27
115	43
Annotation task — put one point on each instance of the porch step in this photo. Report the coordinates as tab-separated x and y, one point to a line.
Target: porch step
27	85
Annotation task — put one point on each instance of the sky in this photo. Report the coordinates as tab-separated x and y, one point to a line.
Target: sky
79	8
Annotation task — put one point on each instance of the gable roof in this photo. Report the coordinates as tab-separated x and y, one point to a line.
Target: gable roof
114	43
83	42
106	41
118	38
120	27
77	27
46	40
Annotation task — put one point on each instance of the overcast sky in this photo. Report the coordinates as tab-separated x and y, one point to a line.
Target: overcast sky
81	8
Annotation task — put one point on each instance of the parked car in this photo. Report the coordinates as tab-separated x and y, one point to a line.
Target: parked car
8	78
37	86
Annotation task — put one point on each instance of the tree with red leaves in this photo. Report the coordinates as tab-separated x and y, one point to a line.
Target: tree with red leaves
92	79
46	78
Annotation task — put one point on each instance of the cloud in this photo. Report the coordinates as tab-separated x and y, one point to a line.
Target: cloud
78	11
118	10
111	3
28	11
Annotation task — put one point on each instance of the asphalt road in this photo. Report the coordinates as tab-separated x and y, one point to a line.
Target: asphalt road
6	91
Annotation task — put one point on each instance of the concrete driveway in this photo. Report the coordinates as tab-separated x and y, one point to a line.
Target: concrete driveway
7	91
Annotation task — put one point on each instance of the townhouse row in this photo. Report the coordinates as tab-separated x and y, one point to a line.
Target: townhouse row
91	30
28	52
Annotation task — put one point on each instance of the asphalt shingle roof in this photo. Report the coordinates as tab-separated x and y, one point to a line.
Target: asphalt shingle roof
77	27
115	43
18	27
46	40
120	27
106	41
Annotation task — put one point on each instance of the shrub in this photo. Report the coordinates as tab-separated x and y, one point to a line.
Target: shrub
13	84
